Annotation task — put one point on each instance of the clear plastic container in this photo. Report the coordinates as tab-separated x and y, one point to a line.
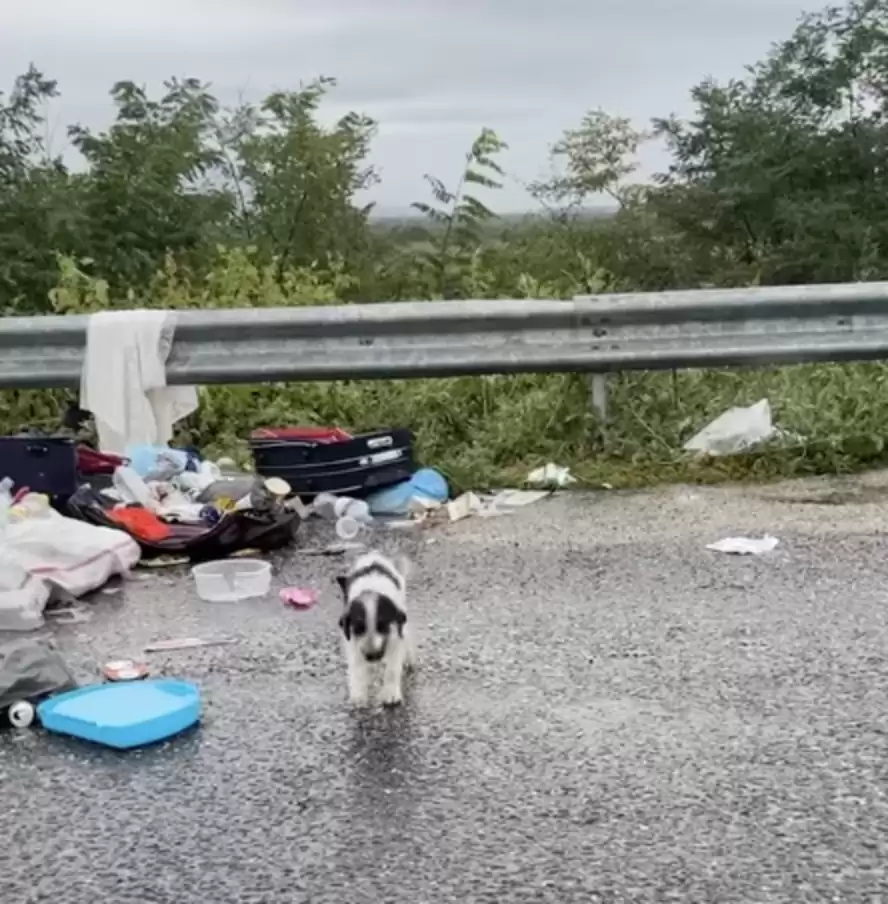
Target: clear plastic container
356	509
232	580
328	506
347	528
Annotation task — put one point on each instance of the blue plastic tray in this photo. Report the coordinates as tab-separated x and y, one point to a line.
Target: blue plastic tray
125	715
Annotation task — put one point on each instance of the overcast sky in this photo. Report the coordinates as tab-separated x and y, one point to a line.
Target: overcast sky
433	72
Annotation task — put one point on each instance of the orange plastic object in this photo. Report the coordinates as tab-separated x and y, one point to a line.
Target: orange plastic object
140	523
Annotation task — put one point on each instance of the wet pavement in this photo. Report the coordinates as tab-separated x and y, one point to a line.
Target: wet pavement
604	712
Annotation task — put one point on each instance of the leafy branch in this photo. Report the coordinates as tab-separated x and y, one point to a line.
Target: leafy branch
458	216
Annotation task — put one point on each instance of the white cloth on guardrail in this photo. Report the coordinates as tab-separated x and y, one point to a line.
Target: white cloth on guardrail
123	382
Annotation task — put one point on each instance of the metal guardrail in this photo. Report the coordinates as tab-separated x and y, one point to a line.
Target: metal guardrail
594	334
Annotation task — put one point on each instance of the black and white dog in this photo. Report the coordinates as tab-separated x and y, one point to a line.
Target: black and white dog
374	626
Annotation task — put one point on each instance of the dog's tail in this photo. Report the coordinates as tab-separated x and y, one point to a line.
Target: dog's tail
404	566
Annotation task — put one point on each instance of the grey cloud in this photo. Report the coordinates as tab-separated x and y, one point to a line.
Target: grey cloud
431	71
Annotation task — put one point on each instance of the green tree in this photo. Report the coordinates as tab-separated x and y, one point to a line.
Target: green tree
294	180
149	190
590	161
780	177
36	207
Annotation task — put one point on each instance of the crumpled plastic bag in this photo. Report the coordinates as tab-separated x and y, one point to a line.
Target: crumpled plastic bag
31	669
552	475
69	554
737	430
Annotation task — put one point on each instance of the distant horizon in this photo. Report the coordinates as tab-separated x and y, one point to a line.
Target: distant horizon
396	212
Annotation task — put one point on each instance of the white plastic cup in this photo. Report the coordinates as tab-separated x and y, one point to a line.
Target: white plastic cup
347	528
356	509
324	505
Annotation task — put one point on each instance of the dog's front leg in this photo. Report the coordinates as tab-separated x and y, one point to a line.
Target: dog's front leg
393	672
358	676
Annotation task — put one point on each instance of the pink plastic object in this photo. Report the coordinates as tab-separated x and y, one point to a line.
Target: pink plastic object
298	597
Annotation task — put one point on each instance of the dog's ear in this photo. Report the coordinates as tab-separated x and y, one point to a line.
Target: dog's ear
342	581
345	625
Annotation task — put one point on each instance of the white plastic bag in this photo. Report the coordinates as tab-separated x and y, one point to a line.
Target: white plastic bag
551	475
737	430
22	596
745	546
72	555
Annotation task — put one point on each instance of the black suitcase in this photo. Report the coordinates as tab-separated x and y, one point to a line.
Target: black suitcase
353	466
44	464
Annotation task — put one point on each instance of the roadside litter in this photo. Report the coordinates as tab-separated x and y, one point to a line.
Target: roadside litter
71	517
738	430
184	643
745	546
350	515
232	580
299	597
124	670
427	487
30	671
124	715
46	556
551	475
129	710
492	505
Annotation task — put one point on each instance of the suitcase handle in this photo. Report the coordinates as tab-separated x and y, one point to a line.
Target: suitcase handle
36	450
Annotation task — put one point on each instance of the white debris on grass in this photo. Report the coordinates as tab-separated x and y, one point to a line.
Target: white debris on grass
737	430
551	475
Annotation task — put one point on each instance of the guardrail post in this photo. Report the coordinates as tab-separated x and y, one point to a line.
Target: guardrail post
598	396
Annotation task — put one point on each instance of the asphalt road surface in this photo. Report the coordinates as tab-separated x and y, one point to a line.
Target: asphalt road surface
605	711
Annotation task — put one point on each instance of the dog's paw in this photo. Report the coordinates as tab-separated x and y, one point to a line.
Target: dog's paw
359	698
391	696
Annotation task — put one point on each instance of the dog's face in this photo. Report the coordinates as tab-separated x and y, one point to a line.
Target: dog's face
370	621
373	591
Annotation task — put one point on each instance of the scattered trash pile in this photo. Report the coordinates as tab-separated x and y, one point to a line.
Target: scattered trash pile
74	513
176	505
158	500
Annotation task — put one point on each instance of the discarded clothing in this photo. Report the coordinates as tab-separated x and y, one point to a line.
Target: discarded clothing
123	382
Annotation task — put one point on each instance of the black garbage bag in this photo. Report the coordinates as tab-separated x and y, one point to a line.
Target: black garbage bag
31	670
262	530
